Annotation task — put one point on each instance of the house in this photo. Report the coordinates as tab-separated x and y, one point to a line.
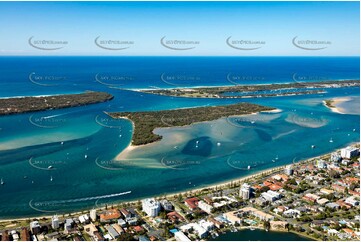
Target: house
175	217
326	191
125	213
233	217
205	207
338	188
257	213
90	229
353	201
291	213
191	203
322	201
112	232
216	223
311	197
110	216
122	223
180	236
333	205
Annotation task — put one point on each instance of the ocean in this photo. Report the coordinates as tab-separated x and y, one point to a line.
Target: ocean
59	161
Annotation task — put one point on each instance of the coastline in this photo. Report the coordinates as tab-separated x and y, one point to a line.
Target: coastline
199	189
332	104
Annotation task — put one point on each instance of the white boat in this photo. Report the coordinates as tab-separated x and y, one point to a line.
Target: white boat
51	178
353	130
218	144
313	146
85	156
252	228
2	182
62	143
331	140
50	167
249	167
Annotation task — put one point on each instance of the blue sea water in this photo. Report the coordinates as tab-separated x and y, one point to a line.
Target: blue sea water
79	144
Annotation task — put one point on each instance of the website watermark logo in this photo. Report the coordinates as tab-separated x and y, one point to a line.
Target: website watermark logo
180	79
107	121
114	79
178	44
48	165
113	44
114	165
244	44
46	44
303	79
310	44
46	80
50	121
240	79
178	164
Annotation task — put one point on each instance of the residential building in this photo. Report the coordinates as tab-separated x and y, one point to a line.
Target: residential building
205	207
112	232
289	170
245	191
110	215
349	152
166	205
151	207
93	215
271	196
55	222
35	227
191	203
180	236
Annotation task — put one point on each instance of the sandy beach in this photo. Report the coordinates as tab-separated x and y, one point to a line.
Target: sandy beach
335	102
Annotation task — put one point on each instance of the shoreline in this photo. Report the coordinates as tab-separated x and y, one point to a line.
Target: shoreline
195	190
332	104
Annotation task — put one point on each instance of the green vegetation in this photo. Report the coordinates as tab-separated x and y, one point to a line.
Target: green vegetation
33	104
254	90
146	122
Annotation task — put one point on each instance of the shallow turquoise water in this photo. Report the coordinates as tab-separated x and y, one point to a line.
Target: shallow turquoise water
80	144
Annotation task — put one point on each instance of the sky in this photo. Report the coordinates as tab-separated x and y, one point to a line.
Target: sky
180	28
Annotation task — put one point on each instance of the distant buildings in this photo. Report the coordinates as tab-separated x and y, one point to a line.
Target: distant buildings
55	222
151	207
68	225
245	191
24	234
289	170
349	152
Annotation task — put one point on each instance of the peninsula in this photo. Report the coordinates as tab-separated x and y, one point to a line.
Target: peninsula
145	122
18	105
254	91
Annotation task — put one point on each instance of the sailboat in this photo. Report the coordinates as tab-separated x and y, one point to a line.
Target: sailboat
2	182
51	178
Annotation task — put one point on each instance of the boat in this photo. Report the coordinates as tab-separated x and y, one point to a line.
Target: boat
218	144
252	122
85	156
331	140
248	167
25	177
252	228
62	143
313	146
51	178
353	130
276	157
50	167
2	182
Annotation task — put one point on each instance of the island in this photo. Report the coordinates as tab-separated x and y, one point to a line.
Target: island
18	105
145	122
254	91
